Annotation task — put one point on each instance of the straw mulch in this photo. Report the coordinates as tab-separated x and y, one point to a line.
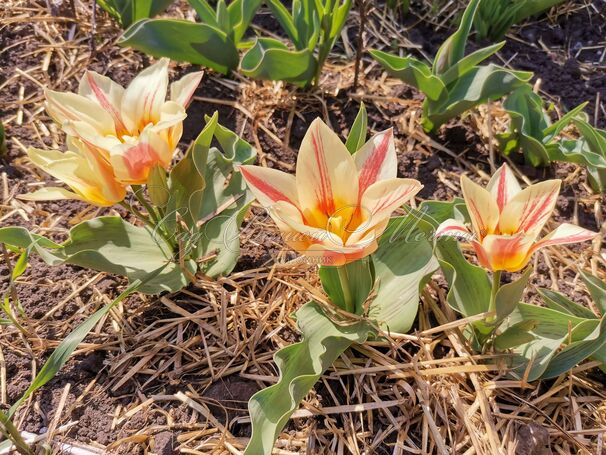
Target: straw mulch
179	368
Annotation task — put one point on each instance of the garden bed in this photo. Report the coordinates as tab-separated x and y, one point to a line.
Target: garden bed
176	371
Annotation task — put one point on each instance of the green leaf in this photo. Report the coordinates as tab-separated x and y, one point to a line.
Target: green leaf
576	352
273	60
579	152
399	282
206	13
550	331
509	295
597	289
282	15
561	303
109	244
468	63
241	13
515	335
357	135
301	366
360	280
20	265
476	87
183	41
3	149
187	182
558	126
412	72
533	7
62	353
126	12
470	285
453	49
13	437
225	201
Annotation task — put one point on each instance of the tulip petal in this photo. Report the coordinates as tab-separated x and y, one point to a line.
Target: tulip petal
325	174
63	107
565	233
182	91
88	176
376	160
453	228
503	186
143	99
132	162
529	210
107	94
51	193
482	208
507	252
89	136
270	185
383	197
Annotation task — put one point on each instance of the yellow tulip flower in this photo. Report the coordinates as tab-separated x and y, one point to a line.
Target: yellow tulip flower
89	176
133	129
337	205
506	221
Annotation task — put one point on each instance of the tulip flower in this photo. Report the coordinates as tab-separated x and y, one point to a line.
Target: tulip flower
132	129
337	205
506	221
89	176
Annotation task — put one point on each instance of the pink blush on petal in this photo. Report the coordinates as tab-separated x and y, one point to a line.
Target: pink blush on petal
139	159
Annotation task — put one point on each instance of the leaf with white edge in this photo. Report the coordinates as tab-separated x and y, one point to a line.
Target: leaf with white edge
453	49
301	365
183	41
225	201
186	181
509	295
357	135
477	86
109	244
550	331
597	289
559	302
578	351
413	72
273	60
399	282
515	335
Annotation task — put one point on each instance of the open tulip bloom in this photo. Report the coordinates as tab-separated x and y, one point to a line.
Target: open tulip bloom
506	222
116	135
337	205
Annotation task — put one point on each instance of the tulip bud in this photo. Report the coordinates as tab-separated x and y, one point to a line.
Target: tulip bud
157	186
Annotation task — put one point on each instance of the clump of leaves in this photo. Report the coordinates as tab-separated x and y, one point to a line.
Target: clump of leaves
531	130
495	17
555	338
126	12
213	42
454	83
532	133
313	27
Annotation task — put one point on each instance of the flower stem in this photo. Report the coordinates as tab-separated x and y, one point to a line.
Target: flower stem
496	284
347	298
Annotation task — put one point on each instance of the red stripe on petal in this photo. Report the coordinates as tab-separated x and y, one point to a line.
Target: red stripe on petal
372	166
502	189
535	214
325	197
271	192
107	105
